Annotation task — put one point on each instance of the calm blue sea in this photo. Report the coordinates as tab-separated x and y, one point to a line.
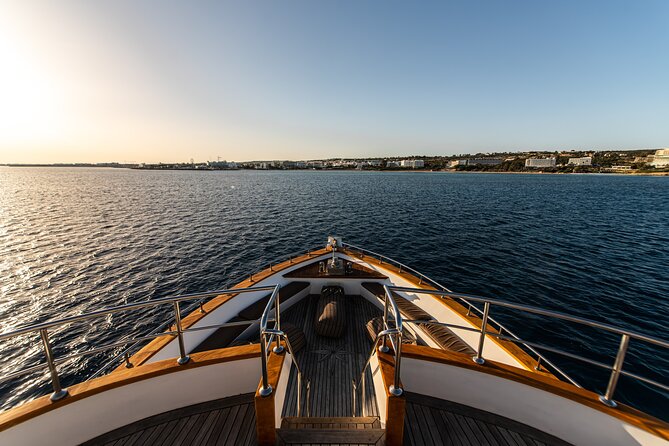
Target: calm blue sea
75	240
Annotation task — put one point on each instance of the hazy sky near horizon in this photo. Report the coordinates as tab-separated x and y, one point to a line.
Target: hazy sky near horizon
149	81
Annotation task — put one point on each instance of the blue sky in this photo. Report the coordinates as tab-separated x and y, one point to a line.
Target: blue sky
169	81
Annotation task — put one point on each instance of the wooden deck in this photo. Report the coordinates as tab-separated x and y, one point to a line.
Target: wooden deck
431	421
231	421
226	421
342	431
331	364
357	272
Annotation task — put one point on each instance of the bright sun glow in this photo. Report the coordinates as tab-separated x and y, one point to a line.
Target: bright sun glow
29	111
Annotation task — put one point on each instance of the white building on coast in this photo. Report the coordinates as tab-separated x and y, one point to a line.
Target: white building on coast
476	161
660	159
413	164
583	161
540	162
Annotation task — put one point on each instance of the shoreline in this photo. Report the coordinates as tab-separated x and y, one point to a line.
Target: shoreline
649	174
444	171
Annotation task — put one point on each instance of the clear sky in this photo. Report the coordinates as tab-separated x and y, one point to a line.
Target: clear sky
148	81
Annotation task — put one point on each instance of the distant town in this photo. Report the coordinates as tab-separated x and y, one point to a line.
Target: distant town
574	161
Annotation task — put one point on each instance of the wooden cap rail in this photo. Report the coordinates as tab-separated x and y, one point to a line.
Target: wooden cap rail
194	317
395	404
423	282
581	396
265	405
123	377
616	369
509	341
158	340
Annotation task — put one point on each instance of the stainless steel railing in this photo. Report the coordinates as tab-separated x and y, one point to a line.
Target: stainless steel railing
616	368
138	342
52	362
270	335
541	359
286	257
389	333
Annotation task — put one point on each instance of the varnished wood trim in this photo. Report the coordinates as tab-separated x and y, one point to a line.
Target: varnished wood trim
265	405
510	347
358	271
624	413
191	319
123	377
395	405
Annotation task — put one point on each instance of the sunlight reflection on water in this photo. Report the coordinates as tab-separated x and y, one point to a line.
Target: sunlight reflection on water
76	240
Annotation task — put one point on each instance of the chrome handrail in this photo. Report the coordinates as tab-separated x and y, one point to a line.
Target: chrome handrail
423	278
394	389
269	335
361	381
133	306
237	278
616	368
52	361
266	388
540	311
394	334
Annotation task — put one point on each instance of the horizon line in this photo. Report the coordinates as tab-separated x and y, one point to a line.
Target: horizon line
489	154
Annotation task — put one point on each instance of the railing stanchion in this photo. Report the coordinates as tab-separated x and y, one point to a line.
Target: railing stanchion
126	357
389	334
277	325
395	388
355	390
307	402
363	397
58	392
183	357
484	324
266	389
607	398
384	346
299	394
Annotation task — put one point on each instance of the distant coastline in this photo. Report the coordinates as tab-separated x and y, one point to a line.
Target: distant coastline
645	162
408	171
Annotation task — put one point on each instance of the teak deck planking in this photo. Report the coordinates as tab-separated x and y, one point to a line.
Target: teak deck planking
331	364
431	421
231	420
228	420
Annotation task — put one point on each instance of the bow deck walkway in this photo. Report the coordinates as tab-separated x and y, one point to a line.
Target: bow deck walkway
330	364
